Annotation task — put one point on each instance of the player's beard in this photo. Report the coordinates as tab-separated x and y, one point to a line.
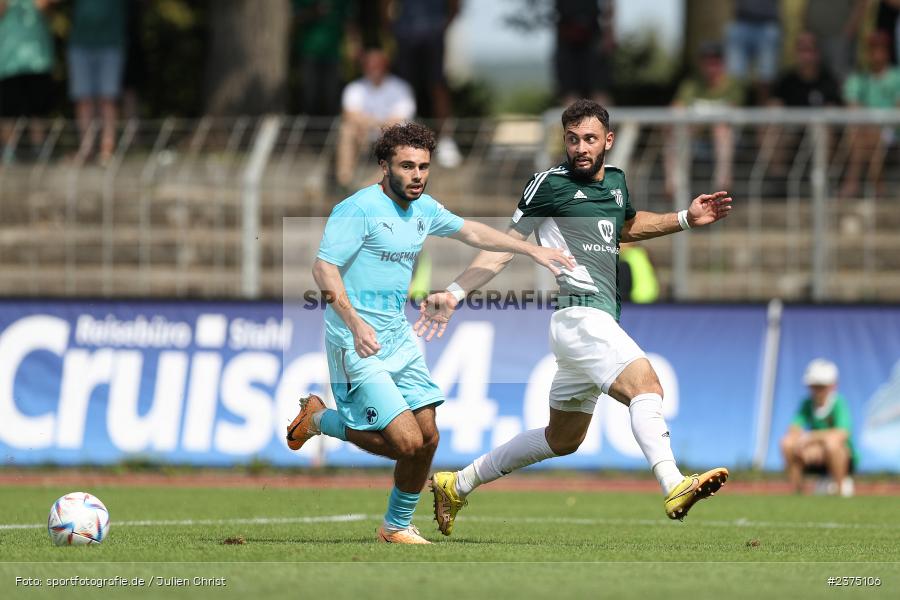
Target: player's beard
591	171
398	187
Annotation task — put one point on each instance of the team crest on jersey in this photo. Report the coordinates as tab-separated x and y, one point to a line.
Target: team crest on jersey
606	230
371	415
617	194
420	226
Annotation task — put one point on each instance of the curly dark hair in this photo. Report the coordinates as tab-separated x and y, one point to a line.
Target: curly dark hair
583	109
412	135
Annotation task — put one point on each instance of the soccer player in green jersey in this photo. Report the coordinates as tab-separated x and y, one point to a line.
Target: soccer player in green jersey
581	206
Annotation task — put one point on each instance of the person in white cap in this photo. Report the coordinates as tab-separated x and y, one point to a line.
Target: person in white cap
819	438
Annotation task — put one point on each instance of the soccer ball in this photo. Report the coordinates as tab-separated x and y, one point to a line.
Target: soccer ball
77	519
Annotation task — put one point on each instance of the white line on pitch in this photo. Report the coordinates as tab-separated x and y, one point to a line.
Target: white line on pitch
699	522
252	521
486	519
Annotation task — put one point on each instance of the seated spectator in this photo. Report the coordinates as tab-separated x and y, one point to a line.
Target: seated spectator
876	87
754	37
96	60
807	84
819	439
26	60
376	100
714	89
835	24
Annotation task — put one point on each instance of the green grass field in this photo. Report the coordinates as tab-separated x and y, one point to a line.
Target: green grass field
320	544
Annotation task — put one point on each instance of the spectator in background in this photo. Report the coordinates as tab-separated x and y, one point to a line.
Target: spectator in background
887	17
754	36
835	25
808	84
584	47
376	100
135	73
636	278
322	26
96	60
372	23
26	60
876	87
713	90
820	439
419	28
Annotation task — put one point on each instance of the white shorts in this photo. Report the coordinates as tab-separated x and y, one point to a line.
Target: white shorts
591	351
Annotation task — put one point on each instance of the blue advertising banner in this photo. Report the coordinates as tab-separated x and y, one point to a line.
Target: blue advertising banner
216	383
864	343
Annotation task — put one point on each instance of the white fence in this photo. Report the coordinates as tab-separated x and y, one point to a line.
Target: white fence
194	208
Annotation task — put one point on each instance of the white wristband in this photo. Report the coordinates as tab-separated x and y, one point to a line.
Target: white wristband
457	291
683	219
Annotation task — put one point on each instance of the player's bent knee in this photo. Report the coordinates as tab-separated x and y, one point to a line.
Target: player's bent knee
563	447
637	379
408	446
430	443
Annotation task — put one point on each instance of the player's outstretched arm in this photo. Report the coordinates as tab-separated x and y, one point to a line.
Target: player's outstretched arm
704	210
436	310
329	280
481	236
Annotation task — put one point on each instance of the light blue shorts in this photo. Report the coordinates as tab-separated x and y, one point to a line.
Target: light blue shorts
370	392
95	72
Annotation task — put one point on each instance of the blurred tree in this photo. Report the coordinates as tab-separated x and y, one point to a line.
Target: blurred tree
247	63
174	40
528	15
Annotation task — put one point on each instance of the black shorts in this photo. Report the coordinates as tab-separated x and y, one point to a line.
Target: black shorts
29	95
823	469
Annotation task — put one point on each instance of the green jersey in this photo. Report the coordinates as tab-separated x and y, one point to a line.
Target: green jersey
584	217
834	415
26	45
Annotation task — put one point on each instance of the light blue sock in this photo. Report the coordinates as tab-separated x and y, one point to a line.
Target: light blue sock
331	425
400	509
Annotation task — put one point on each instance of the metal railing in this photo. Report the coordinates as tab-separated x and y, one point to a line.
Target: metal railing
194	208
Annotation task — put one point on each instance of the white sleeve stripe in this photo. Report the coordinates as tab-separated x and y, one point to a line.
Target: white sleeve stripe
537	186
531	186
531	190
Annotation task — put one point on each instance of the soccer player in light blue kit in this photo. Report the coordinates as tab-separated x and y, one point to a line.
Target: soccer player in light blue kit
384	393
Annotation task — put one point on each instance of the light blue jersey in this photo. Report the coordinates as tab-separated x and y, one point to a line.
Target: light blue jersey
374	243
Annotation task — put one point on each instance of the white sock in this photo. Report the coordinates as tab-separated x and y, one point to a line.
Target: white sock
652	435
392	528
317	419
525	449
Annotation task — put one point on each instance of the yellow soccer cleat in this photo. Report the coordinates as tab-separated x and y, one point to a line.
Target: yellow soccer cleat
410	535
447	501
694	488
302	427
